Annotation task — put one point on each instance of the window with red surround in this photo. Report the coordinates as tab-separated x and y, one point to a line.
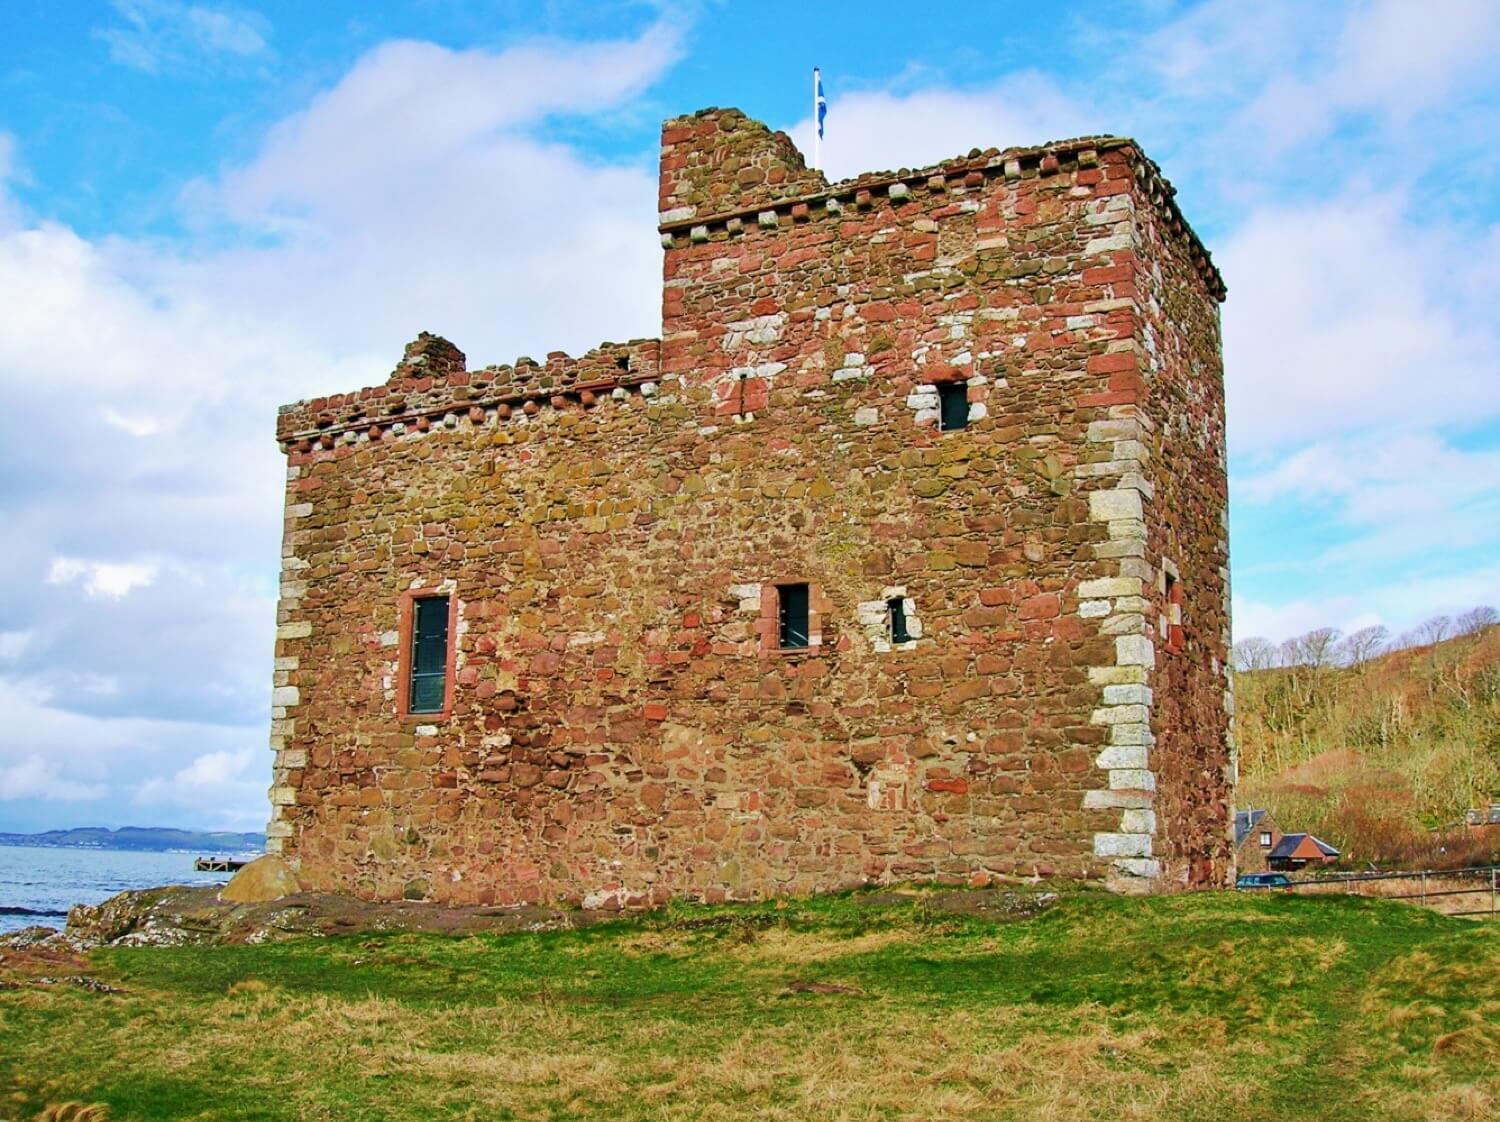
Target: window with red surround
1172	609
791	618
427	638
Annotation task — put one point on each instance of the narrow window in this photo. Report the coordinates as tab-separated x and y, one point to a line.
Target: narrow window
899	634
953	397
429	655
792	613
1173	609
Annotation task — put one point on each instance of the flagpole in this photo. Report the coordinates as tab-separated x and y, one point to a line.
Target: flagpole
817	127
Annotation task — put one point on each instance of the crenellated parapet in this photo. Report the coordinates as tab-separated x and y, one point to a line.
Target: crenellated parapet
705	206
431	387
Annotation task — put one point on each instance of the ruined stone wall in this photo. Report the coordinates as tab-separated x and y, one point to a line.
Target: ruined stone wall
623	727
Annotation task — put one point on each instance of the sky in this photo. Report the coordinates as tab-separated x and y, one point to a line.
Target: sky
207	210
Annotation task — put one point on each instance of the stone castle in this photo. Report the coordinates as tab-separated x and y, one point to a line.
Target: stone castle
901	555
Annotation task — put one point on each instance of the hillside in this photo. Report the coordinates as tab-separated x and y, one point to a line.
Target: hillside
856	1007
153	838
1374	757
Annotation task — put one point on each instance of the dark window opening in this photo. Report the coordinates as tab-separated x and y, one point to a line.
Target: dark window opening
953	399
429	654
791	605
899	634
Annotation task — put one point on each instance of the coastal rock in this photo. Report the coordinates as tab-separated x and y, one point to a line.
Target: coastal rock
176	916
261	881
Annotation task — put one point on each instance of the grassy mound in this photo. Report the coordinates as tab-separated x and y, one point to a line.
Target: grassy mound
1287	1008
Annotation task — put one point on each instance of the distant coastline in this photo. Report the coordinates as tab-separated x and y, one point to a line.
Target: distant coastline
155	839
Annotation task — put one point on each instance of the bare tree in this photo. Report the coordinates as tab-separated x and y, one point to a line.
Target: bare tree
1477	619
1291	652
1363	645
1254	653
1434	631
1318	646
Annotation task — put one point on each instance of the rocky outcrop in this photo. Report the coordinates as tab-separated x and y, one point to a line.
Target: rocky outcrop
261	881
177	916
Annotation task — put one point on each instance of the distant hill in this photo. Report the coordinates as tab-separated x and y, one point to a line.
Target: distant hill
1381	758
154	838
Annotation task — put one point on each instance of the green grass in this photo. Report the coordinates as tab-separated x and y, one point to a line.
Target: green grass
1288	1008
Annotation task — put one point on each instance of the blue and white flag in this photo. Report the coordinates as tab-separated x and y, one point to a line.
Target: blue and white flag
819	101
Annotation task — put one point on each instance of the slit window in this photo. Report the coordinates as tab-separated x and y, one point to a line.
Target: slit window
953	405
899	633
791	609
429	655
1173	609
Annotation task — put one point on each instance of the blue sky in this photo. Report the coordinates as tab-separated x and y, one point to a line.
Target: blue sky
207	210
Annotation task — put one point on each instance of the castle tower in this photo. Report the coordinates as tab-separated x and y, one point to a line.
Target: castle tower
901	555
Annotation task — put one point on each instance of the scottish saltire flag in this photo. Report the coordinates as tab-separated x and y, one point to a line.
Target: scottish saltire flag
819	100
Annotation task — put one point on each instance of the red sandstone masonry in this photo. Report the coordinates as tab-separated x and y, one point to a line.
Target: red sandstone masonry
610	527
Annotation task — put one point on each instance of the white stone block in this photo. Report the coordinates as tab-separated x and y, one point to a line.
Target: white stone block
1108	506
1093	609
1107	587
1134	650
1116	675
1121	715
1127	530
1138	822
1122	845
1127	695
1107	432
1132	779
1147	867
1117	800
1131	734
1122	756
1127	623
868	415
299	629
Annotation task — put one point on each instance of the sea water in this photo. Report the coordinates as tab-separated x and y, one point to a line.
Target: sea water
39	884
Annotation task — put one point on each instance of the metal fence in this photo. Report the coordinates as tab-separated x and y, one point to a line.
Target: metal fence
1437	888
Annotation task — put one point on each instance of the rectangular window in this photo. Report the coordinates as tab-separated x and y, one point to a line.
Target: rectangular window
429	655
791	607
953	398
1173	609
899	634
1265	839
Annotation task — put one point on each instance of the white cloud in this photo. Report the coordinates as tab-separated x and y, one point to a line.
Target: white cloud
114	579
13	643
1399	605
230	781
142	528
134	425
1282	73
870	130
166	35
35	778
1400	56
1344	315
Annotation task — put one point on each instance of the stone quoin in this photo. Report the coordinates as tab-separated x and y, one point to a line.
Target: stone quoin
759	607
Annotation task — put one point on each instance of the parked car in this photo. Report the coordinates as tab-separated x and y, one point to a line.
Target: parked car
1265	880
